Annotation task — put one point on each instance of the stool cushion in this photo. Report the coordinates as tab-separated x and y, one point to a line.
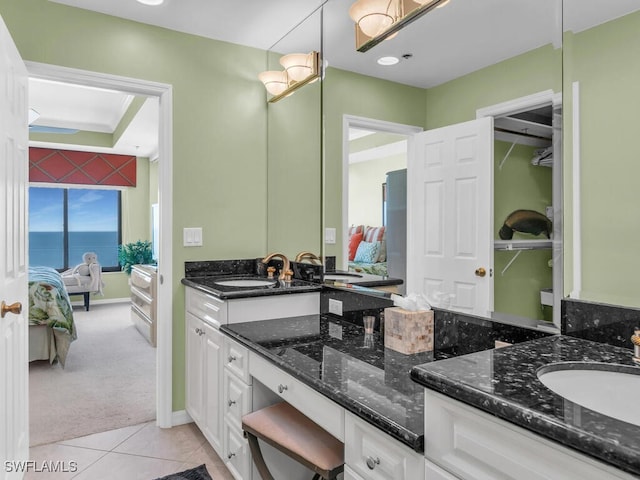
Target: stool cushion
283	426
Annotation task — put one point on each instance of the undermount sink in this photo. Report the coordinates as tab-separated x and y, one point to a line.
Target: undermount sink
342	277
609	389
245	282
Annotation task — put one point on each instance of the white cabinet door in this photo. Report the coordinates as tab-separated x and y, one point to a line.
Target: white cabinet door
450	216
14	356
212	384
194	368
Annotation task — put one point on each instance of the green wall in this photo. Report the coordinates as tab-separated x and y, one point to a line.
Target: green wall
219	124
604	60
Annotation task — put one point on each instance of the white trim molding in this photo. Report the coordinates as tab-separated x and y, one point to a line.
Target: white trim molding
576	291
181	417
164	92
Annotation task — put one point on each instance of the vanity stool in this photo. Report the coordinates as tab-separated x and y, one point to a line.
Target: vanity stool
289	431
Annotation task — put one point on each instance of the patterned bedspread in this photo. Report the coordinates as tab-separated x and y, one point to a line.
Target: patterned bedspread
49	305
379	268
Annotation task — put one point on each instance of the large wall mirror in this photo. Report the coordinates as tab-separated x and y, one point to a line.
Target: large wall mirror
453	62
294	162
602	92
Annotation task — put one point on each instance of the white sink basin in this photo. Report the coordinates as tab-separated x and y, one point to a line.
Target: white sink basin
245	282
342	277
612	390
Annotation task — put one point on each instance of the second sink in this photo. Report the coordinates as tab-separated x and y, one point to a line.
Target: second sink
609	389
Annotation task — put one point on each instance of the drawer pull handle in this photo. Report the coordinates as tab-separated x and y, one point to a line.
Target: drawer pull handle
231	358
231	402
282	388
199	331
231	455
372	462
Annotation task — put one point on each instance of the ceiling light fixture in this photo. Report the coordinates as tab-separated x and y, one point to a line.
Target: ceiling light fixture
378	20
388	61
153	3
299	70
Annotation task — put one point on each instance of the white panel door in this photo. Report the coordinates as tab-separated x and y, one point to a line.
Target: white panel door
450	216
14	355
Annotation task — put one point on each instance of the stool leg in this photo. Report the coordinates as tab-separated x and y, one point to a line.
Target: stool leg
258	459
317	476
86	301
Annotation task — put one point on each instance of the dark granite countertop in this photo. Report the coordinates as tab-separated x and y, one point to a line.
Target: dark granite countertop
355	370
208	284
504	383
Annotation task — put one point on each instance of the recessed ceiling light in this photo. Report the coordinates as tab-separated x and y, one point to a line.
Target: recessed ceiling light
386	61
151	2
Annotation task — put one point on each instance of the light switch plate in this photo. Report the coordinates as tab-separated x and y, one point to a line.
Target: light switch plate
192	236
330	235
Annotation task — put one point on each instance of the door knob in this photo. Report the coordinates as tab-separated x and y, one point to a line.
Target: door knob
15	308
480	272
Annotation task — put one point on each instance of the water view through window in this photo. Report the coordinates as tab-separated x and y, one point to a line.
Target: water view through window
65	223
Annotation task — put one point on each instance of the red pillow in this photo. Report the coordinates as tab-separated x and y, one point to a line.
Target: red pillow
354	241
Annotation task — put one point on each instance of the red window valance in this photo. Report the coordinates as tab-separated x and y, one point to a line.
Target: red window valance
81	168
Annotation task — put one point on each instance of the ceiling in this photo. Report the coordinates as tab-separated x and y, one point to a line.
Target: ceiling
462	37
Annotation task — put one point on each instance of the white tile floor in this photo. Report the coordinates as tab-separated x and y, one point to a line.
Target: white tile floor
140	452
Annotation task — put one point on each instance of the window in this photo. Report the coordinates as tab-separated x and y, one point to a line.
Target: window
64	223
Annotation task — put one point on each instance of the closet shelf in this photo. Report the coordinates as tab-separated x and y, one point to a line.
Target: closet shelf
522	244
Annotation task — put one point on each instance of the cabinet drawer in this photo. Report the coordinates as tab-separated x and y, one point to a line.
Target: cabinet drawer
472	444
237	399
375	456
236	359
142	281
142	301
206	307
314	405
278	306
144	325
237	456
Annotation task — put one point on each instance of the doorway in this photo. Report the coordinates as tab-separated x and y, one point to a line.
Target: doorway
163	92
374	169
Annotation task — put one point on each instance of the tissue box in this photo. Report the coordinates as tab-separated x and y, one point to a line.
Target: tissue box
408	332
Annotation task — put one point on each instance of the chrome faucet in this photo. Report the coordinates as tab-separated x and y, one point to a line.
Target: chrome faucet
635	339
312	257
286	267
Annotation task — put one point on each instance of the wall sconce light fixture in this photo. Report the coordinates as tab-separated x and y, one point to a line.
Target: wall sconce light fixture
299	70
378	20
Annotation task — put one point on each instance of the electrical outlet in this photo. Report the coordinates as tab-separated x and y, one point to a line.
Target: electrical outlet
335	306
330	235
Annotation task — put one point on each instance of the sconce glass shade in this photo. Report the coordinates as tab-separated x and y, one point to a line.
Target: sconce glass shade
297	65
373	16
274	81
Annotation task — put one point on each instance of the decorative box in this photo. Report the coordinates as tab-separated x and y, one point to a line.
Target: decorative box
408	332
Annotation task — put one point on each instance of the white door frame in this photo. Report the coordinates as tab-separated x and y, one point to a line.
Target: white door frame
164	92
522	104
353	121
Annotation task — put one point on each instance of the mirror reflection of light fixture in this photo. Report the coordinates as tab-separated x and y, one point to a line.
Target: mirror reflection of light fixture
299	70
274	81
378	20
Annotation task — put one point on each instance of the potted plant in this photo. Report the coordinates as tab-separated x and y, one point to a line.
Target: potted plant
135	253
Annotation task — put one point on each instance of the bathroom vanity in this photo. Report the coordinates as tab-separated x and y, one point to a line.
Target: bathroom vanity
489	415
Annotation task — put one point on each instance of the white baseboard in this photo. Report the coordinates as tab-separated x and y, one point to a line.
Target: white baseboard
180	417
80	303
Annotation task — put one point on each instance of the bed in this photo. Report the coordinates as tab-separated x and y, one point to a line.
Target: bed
368	250
51	326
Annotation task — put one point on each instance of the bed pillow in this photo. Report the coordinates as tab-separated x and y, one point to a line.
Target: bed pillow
367	252
377	234
354	241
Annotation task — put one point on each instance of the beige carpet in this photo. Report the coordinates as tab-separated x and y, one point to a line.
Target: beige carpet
108	381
